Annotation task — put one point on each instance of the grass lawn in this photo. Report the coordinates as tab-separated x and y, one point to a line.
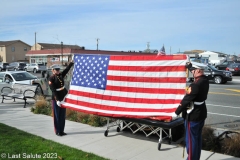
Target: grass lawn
17	144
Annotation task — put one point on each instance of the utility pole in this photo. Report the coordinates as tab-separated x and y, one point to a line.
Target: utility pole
97	43
35	41
148	47
62	51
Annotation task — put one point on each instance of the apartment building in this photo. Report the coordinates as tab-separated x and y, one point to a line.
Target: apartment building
13	51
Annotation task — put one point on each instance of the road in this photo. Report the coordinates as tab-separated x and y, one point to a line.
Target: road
223	105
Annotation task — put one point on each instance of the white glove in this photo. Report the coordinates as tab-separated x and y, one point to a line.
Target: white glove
59	103
174	115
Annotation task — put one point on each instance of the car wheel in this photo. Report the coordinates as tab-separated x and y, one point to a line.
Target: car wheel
34	70
218	79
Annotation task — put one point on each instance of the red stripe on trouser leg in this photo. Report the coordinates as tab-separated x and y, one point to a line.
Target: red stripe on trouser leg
53	116
189	142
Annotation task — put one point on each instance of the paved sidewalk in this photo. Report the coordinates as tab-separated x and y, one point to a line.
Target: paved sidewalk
117	146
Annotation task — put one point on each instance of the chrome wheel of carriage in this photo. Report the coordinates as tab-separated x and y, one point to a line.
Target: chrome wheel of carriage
159	146
118	129
106	133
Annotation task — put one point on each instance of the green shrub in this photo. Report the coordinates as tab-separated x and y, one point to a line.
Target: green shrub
222	143
42	106
209	140
231	145
85	118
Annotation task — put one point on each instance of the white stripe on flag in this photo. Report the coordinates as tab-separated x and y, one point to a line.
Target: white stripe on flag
129	94
146	85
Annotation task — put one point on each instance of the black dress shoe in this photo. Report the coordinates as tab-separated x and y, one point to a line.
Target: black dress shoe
63	133
58	134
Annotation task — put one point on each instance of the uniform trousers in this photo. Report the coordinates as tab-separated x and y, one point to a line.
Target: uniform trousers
193	138
59	115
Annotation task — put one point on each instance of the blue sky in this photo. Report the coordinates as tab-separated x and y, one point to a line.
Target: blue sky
212	25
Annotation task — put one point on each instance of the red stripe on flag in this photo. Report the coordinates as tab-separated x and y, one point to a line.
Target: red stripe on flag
148	68
116	108
124	99
147	79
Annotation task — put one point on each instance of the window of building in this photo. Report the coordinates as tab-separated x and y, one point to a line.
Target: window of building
13	49
25	48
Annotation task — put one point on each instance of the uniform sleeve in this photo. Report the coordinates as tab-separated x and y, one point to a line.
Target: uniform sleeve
191	94
65	71
53	88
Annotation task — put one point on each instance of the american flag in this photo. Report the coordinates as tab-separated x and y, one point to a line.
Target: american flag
162	51
127	86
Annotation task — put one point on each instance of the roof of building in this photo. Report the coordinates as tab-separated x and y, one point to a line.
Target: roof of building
55	46
69	51
7	43
193	52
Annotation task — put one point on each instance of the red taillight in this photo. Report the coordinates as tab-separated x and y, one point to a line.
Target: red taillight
236	69
227	69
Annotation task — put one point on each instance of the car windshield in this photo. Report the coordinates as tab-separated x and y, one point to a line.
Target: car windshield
23	76
212	67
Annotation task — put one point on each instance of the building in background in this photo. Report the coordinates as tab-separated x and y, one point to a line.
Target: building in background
63	56
213	57
40	52
14	51
44	46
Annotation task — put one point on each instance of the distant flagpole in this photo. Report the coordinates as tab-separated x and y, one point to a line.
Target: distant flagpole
162	51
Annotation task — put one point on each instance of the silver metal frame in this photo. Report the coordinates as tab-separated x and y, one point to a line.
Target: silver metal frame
121	125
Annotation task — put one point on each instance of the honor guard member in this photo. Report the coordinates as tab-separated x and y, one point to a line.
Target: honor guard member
195	116
56	83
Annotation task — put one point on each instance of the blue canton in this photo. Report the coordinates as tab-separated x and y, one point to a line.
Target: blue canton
90	71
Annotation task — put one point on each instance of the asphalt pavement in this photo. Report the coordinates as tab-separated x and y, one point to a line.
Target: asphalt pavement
117	146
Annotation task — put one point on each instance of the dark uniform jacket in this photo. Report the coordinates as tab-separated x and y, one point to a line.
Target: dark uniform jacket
197	92
57	82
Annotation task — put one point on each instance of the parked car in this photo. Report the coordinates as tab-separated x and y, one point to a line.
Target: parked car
43	69
224	65
32	67
22	77
21	66
213	74
15	66
234	68
9	78
3	66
